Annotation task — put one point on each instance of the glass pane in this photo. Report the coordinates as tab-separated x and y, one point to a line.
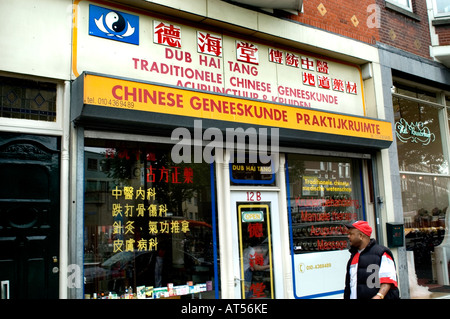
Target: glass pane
425	204
443	6
418	134
324	196
415	92
24	99
148	223
404	3
255	250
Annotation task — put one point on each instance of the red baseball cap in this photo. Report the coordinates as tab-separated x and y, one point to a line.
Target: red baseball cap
362	226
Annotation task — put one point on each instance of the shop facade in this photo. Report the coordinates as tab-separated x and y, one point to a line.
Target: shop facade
215	165
196	158
34	149
151	222
418	106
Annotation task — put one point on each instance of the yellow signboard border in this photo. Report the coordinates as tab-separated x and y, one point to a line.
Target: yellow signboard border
147	97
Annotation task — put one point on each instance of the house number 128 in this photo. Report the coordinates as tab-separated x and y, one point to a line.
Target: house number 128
253	196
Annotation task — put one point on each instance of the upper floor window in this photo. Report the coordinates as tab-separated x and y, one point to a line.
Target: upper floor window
441	8
404	4
26	99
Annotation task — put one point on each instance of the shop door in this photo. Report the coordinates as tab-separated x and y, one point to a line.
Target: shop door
29	216
256	239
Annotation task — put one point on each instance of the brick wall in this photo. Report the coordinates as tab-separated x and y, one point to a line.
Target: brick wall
347	18
407	33
443	31
357	19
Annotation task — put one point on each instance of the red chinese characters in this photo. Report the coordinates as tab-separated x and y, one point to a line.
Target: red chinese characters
322	66
338	85
166	34
292	60
247	52
275	56
255	230
309	79
323	81
173	174
256	259
307	63
208	43
258	290
350	87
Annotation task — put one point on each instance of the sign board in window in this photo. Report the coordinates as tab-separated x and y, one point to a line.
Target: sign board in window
252	172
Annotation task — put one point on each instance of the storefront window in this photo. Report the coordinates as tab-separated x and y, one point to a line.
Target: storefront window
419	142
425	204
425	183
149	224
324	196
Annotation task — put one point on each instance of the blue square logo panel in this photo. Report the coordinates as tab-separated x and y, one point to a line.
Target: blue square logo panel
113	25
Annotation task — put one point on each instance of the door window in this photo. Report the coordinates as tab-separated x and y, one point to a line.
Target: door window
255	250
256	241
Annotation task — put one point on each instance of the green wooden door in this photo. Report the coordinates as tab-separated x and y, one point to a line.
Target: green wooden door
29	216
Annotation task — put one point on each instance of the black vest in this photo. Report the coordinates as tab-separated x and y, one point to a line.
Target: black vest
371	255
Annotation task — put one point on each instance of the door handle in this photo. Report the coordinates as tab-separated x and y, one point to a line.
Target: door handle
55	268
4	289
237	281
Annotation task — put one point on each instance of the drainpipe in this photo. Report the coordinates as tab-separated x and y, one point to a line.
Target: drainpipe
64	196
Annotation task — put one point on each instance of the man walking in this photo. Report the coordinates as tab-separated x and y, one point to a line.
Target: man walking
371	270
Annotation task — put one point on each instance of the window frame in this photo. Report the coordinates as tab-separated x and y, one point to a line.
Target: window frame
108	137
398	4
33	126
438	14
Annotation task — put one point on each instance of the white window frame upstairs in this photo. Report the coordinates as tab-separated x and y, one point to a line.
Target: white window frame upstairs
438	14
404	4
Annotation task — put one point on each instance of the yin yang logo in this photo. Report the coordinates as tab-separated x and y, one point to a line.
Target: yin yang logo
113	24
